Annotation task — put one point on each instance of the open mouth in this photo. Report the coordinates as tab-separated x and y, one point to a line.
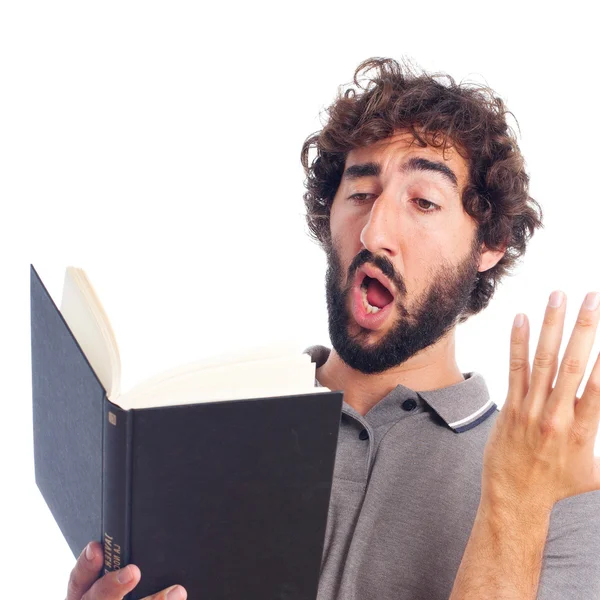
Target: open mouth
375	295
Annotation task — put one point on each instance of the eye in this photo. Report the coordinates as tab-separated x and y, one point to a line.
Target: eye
426	206
361	197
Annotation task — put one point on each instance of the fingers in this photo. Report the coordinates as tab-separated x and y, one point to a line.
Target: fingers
573	365
587	410
518	376
545	362
85	585
86	571
114	585
175	592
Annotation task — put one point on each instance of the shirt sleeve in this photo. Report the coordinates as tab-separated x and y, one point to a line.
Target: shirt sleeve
571	563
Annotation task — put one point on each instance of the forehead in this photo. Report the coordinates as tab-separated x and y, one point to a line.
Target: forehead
393	151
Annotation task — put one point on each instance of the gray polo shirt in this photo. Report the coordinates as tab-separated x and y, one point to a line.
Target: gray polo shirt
406	488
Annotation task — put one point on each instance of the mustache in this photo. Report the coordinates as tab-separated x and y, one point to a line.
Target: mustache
383	263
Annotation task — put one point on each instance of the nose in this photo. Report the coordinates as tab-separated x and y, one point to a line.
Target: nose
380	234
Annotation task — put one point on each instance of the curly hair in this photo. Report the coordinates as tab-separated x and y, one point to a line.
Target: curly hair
389	96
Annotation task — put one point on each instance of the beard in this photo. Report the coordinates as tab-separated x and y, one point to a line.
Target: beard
431	316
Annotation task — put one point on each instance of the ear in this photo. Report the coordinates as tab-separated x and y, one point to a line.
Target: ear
490	258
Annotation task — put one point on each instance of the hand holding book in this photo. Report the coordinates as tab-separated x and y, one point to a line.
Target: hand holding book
84	585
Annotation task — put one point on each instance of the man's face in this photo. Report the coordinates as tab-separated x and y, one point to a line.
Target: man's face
404	255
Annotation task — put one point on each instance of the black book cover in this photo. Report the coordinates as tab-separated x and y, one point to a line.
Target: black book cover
228	499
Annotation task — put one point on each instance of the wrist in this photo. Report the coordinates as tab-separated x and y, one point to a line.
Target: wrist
527	518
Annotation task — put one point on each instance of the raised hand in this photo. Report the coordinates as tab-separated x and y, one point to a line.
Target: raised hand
539	451
541	448
85	585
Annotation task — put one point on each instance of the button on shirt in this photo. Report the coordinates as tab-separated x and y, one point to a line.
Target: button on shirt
406	488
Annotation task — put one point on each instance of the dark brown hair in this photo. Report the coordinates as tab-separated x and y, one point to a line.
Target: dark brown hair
389	96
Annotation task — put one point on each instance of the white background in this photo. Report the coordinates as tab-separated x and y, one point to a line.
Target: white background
157	145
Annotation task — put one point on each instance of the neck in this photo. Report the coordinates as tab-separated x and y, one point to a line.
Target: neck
431	369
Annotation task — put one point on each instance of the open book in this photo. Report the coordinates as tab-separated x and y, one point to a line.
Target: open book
229	499
276	370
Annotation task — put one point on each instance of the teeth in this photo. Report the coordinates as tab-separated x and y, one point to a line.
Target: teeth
370	309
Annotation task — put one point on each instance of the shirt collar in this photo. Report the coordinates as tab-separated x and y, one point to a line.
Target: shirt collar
461	406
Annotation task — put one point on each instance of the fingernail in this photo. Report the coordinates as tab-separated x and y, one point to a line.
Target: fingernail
125	575
592	300
519	320
556	299
176	593
89	553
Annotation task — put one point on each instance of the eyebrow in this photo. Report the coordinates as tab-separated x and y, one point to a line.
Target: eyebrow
373	169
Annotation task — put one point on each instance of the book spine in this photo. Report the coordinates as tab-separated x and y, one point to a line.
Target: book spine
116	486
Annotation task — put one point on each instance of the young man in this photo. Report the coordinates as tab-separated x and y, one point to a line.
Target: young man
419	197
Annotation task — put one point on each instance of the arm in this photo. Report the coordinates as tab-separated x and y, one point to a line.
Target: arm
503	557
540	451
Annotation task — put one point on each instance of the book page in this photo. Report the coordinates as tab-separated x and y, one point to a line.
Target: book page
281	376
83	312
276	370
